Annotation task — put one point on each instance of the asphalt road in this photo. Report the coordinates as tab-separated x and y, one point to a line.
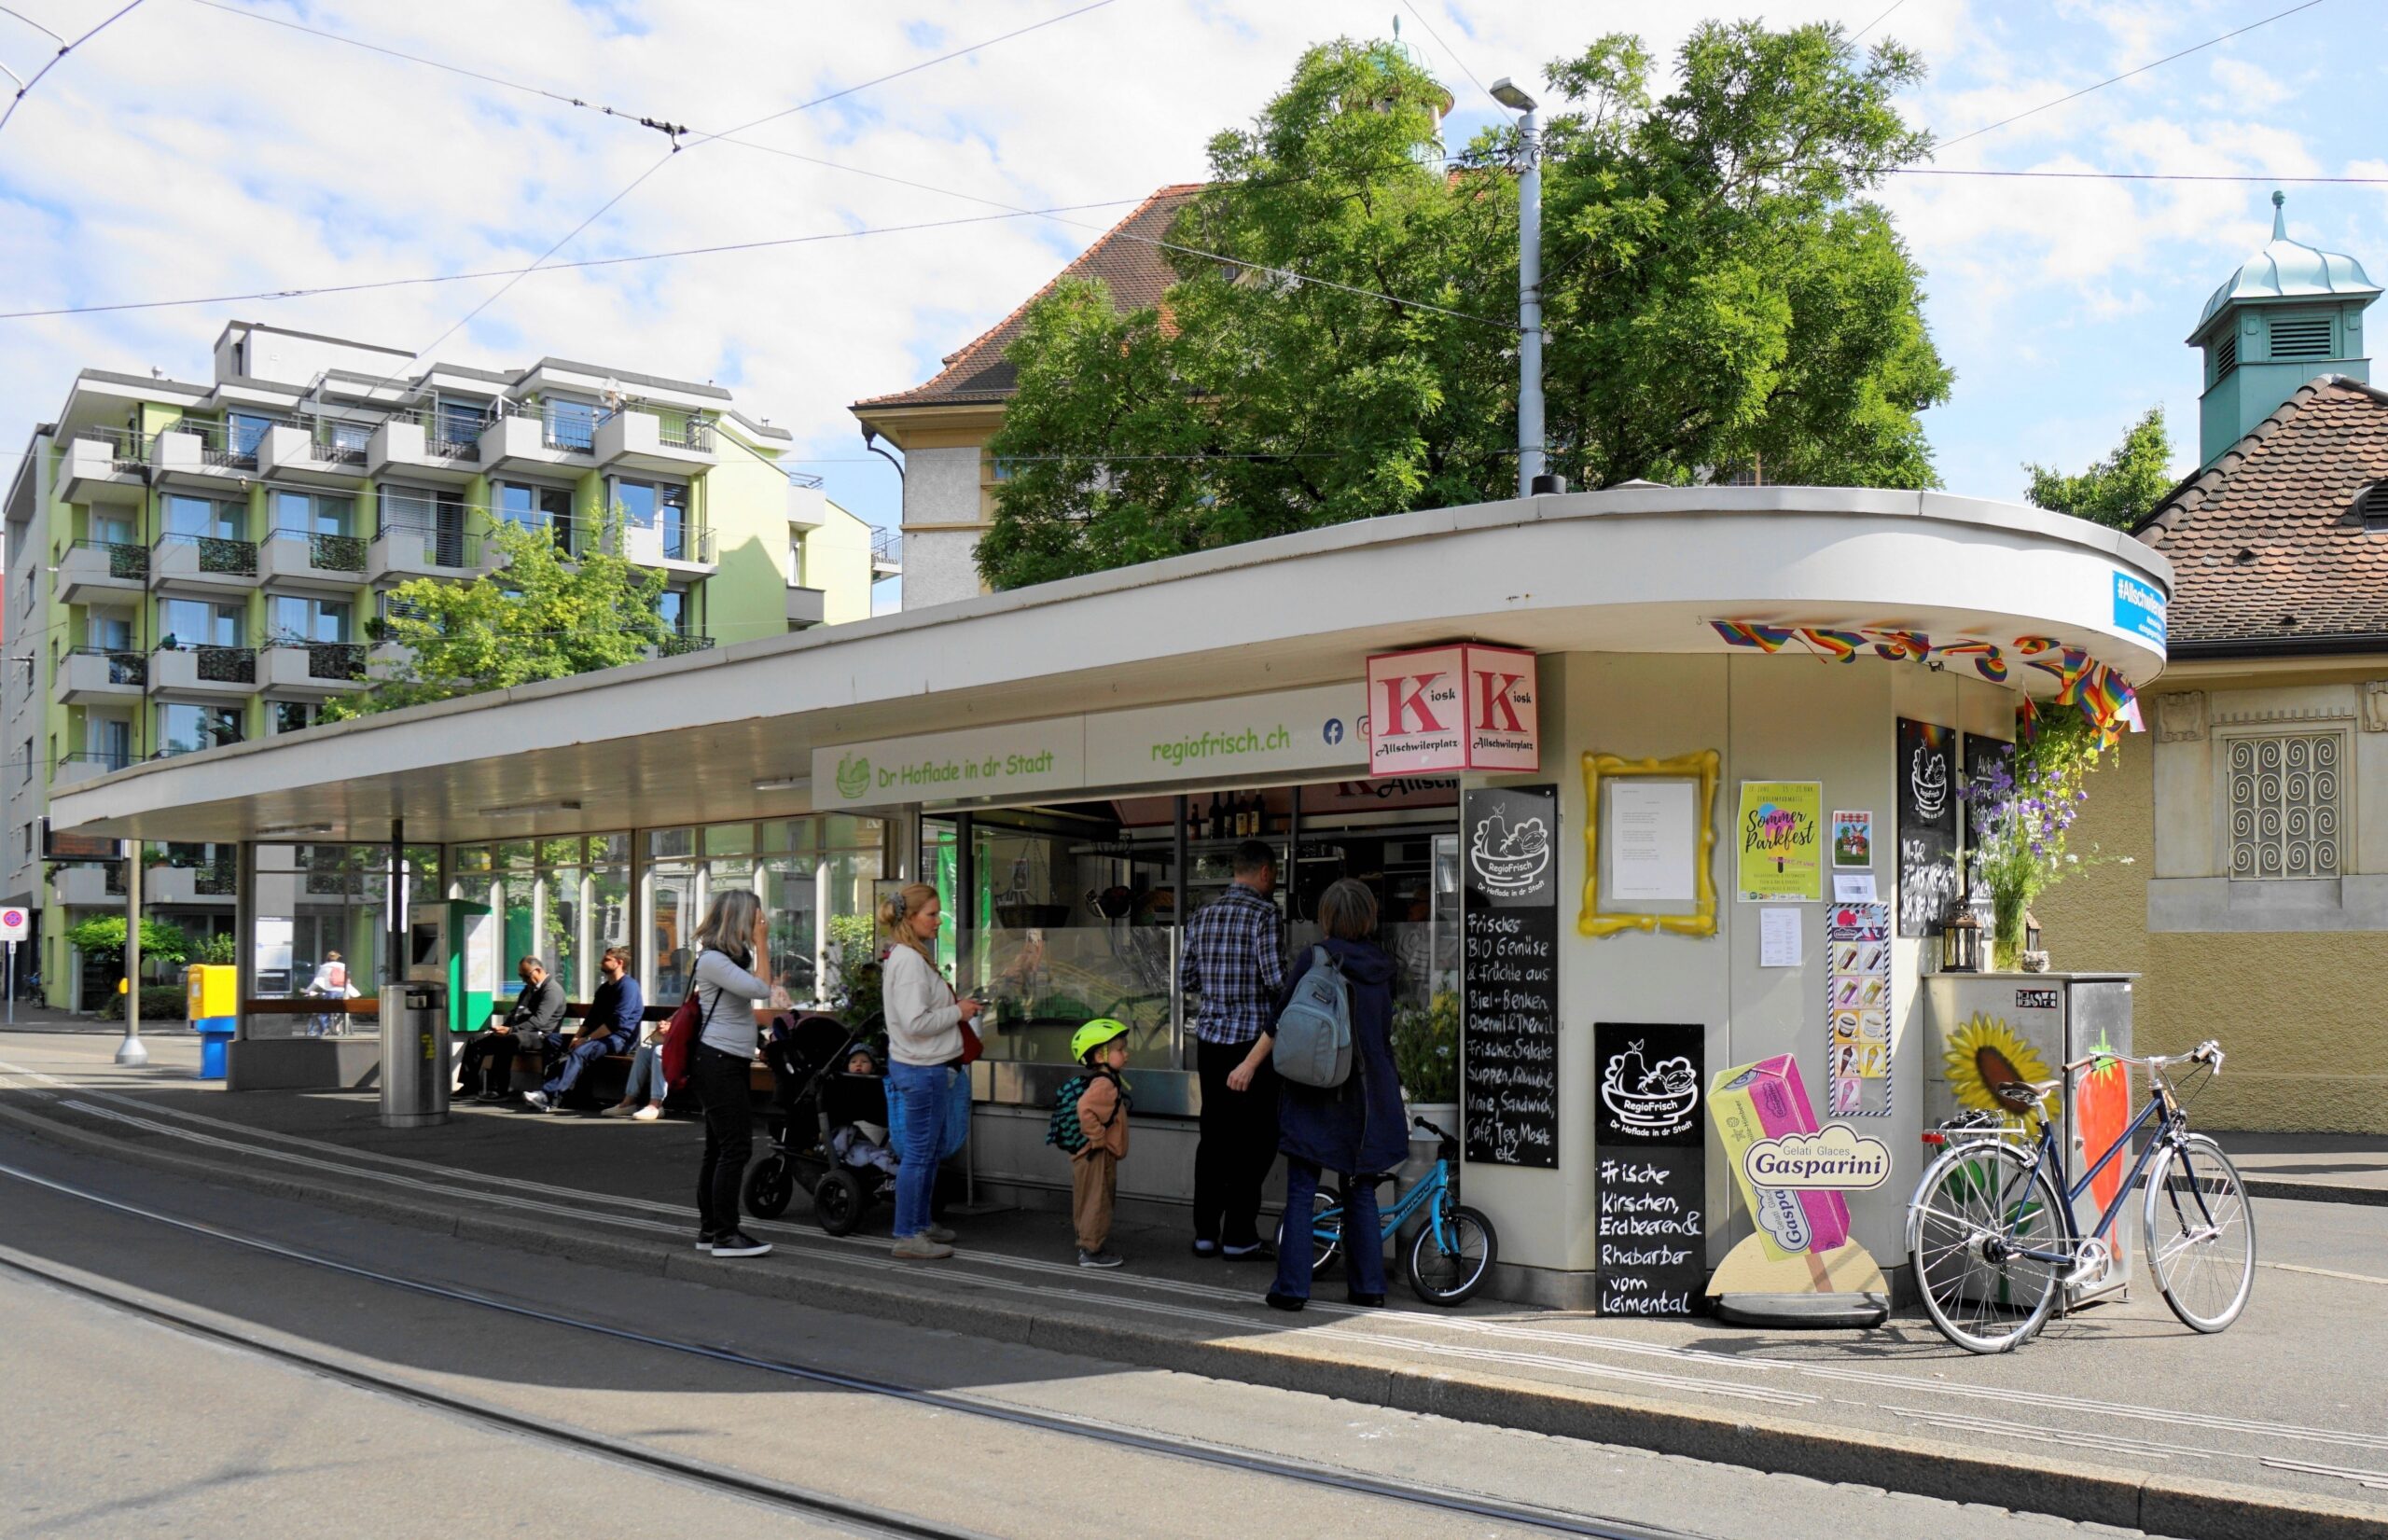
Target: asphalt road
122	1427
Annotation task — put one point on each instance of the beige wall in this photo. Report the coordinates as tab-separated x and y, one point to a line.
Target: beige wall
1771	718
2299	1011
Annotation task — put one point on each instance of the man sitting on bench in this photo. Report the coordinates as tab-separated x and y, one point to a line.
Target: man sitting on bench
611	1026
488	1060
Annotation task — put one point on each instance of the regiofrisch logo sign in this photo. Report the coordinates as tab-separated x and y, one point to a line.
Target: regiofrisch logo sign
853	776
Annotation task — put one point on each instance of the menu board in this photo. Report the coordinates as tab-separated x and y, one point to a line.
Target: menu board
1509	976
1927	826
1652	1170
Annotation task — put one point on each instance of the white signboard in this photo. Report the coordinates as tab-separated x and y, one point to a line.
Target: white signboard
1017	759
15	926
1288	730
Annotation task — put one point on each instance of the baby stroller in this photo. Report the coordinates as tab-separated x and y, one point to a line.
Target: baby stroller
821	1132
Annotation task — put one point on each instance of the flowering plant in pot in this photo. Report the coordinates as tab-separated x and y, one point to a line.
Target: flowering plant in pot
2023	806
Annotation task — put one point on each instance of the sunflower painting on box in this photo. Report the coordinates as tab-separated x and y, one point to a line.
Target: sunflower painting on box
1986	1052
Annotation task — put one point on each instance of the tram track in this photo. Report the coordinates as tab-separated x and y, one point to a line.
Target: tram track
828	1507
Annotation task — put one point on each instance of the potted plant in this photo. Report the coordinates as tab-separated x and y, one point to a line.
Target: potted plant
2024	807
1425	1054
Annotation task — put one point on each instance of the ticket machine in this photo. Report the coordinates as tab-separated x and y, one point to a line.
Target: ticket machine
453	943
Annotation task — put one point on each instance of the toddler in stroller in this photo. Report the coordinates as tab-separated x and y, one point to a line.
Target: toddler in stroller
829	1129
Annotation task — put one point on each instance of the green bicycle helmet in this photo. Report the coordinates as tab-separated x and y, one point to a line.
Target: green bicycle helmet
1088	1038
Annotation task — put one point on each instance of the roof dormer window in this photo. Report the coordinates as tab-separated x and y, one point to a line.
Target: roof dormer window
2371	507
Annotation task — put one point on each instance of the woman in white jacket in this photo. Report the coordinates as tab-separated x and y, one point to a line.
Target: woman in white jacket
925	1051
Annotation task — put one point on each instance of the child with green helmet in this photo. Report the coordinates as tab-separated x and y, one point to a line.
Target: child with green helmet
1102	1115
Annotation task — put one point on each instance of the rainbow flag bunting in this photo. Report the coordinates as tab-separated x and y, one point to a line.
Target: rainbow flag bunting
2072	666
1840	646
1749	633
1901	646
1987	659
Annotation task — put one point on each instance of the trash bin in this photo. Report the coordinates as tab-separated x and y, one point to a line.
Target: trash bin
414	1055
211	996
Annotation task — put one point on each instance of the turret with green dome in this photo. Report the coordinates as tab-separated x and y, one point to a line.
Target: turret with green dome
2290	313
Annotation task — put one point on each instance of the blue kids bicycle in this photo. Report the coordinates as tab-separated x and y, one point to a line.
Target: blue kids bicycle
1992	1236
1453	1250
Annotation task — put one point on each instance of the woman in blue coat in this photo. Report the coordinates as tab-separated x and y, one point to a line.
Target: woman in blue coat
1357	1129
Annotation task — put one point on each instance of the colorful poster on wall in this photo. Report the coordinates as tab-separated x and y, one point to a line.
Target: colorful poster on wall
1927	824
1857	1010
1791	1173
1653	1190
1852	839
1780	835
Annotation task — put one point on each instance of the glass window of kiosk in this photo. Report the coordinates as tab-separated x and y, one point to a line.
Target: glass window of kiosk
321	927
1076	906
1399	838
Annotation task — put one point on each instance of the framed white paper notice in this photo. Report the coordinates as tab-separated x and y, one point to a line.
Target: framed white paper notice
1650	833
1778	939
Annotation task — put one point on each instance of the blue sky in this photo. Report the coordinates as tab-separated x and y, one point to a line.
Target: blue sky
189	152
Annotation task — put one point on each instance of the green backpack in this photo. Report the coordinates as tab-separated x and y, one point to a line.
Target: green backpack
1065	1132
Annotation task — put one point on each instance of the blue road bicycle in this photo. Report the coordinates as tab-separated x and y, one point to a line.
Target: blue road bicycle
1992	1236
1454	1248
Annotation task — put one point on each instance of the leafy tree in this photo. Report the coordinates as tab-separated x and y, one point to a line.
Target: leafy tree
539	616
102	938
2120	490
1717	292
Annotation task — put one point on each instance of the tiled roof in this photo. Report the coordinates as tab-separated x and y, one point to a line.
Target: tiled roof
1127	259
2267	544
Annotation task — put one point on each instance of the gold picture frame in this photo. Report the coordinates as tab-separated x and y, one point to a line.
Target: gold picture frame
1706	767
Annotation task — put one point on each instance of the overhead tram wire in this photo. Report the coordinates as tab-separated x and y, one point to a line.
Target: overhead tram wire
1449	53
64	49
1860	36
2074	96
695	136
675	131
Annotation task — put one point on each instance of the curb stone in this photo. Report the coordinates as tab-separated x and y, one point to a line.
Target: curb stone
2082	1491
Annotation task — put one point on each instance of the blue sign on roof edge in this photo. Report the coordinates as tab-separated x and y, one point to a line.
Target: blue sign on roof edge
2139	607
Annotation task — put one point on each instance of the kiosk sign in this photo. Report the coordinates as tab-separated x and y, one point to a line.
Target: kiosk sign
1455	708
2139	608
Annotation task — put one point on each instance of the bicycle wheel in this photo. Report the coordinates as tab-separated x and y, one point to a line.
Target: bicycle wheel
1976	1205
1451	1256
1325	1230
2200	1234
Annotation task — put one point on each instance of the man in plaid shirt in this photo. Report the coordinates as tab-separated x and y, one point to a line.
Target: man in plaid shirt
1235	961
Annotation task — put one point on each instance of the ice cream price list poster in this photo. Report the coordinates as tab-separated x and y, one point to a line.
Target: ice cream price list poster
1509	976
1652	1226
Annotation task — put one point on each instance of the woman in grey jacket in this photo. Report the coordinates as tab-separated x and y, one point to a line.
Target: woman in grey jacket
733	940
923	1046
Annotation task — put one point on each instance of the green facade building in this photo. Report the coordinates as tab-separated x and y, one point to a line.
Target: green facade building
192	565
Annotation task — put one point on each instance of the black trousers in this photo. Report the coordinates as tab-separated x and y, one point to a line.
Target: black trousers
487	1063
1239	1145
721	1085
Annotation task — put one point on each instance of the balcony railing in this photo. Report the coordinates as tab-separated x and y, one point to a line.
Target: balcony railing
562	425
804	478
217	665
125	561
694	435
219	555
436	546
575	537
99	764
328	552
687	542
125	666
219	446
449	433
329	660
887	549
678	643
128	450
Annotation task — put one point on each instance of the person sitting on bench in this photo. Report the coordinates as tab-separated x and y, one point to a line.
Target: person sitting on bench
488	1060
611	1026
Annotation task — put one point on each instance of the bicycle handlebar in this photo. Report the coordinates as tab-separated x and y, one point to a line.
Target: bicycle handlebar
2207	1052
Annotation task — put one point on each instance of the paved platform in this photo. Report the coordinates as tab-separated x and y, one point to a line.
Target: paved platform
2116	1415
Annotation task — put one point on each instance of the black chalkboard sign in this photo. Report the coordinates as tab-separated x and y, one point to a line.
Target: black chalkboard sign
1927	824
1652	1192
1509	976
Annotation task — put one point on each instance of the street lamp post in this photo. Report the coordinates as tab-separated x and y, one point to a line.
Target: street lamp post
133	1052
1530	459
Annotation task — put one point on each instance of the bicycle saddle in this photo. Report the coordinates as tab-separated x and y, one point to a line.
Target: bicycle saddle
2025	1096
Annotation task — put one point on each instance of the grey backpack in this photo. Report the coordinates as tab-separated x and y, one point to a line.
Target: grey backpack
1313	1034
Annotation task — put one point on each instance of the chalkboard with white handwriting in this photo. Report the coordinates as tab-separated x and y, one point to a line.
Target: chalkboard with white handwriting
1509	976
1652	1181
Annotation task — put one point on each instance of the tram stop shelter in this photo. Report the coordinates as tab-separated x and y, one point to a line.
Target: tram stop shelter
1696	693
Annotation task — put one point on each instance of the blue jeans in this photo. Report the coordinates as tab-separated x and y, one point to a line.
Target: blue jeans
646	1077
925	1091
1363	1234
576	1058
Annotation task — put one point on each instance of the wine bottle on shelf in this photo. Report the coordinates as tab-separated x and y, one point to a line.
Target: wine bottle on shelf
1219	816
1249	820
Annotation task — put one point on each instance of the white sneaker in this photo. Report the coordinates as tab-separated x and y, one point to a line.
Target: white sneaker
646	1114
920	1248
535	1100
619	1109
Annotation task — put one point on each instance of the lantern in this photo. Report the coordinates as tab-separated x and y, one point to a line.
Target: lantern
1960	941
2031	932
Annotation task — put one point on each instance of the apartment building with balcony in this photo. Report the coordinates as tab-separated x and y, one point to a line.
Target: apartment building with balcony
189	565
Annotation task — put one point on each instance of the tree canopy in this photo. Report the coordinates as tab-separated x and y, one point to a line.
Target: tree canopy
539	616
2120	490
1717	293
101	936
